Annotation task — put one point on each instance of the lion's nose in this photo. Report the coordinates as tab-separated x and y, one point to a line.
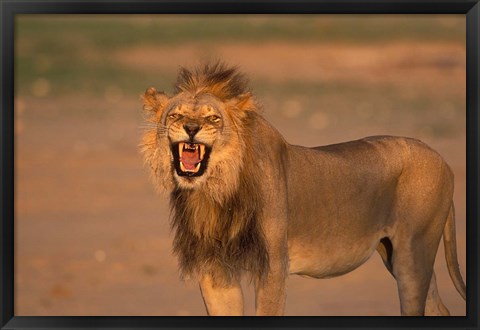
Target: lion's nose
191	129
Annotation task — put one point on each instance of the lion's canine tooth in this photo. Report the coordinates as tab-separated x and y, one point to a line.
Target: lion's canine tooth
202	151
180	148
182	167
197	167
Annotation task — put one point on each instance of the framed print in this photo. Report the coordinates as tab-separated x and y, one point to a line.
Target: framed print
315	163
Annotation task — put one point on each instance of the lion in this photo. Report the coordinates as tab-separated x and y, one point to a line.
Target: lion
244	201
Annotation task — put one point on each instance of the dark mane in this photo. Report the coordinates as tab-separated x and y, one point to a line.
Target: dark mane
222	239
218	79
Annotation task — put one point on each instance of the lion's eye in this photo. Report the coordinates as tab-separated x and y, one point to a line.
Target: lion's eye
214	119
174	116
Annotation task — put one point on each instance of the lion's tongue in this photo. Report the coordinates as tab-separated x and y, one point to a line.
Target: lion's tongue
190	159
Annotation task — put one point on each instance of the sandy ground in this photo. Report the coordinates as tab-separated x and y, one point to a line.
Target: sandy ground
92	236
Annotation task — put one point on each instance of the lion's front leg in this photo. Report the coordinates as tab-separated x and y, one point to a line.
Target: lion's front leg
221	299
271	292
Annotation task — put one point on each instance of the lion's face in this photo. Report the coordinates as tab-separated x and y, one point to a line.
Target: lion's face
197	130
195	141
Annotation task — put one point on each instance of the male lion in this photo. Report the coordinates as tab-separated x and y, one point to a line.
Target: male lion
245	201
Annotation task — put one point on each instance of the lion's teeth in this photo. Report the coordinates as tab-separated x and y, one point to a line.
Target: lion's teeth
180	148
202	151
197	168
188	147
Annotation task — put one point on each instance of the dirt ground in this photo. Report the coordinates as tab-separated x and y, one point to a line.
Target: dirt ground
92	236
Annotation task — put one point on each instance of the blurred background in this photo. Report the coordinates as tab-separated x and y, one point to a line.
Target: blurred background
92	236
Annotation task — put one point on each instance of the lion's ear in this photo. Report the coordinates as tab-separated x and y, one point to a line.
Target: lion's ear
154	101
245	102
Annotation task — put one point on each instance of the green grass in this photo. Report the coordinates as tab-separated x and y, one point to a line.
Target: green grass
72	51
116	31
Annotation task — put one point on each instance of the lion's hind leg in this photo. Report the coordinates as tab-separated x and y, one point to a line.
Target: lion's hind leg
411	285
434	305
412	262
413	272
411	289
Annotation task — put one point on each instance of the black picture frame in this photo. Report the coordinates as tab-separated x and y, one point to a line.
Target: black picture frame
10	8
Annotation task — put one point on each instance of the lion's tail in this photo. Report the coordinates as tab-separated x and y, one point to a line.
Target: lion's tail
450	244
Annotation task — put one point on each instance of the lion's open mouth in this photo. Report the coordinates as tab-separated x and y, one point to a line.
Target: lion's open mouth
190	159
